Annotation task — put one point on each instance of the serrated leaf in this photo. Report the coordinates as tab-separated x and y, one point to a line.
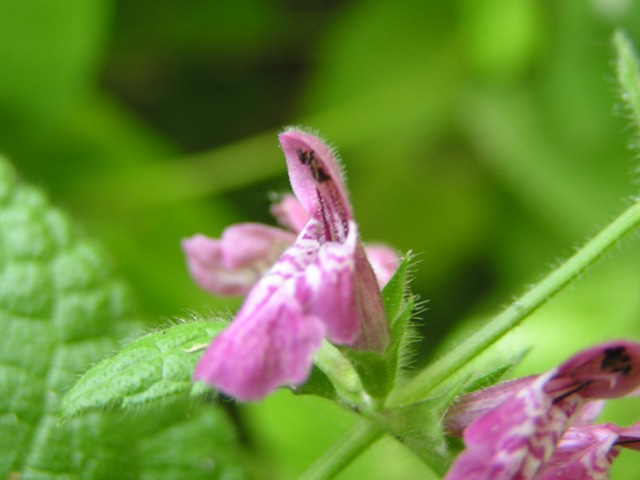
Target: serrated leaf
155	367
61	310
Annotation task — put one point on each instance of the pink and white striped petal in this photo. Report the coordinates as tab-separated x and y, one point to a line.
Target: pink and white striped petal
515	438
585	453
327	288
261	352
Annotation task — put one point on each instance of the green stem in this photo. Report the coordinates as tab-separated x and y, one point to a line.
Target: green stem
435	374
358	439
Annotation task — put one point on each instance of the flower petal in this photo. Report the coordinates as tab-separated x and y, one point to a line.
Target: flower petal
589	412
317	181
608	370
629	437
585	453
290	213
516	438
374	329
327	289
384	261
469	407
233	264
260	352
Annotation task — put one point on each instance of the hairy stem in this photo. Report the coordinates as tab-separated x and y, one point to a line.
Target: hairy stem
569	271
358	439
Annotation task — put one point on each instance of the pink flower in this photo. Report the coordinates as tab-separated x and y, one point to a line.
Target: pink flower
586	452
511	431
321	286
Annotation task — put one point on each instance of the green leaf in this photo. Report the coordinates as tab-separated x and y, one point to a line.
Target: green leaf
61	310
157	366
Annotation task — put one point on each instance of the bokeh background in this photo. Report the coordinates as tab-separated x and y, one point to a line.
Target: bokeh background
486	136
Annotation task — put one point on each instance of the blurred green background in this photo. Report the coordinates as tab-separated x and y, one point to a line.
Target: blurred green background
487	136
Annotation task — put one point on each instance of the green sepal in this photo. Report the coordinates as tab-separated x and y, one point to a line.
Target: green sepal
395	292
317	384
494	376
155	367
378	372
419	427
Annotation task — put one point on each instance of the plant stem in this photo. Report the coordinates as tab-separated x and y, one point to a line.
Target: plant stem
436	373
358	439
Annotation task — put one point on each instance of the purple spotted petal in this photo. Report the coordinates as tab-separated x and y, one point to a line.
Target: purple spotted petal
261	352
513	440
271	342
233	264
316	180
608	370
585	453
